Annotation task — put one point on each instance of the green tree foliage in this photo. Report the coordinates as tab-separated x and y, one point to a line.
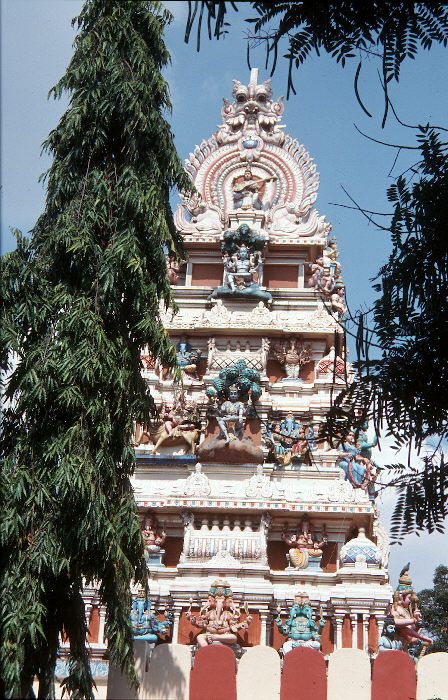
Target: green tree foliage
433	603
402	376
80	301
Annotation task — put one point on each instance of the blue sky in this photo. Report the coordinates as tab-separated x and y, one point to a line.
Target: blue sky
36	46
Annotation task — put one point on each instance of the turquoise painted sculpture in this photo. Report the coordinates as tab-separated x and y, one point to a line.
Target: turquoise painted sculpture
239	375
242	252
387	641
300	628
145	625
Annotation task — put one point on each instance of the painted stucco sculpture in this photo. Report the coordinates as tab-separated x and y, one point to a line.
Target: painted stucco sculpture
153	539
145	624
219	617
300	627
305	550
292	355
388	641
187	358
242	252
406	614
287	439
179	424
357	467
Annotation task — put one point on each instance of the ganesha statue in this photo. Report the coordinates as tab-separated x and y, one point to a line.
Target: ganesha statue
300	628
145	624
219	617
305	549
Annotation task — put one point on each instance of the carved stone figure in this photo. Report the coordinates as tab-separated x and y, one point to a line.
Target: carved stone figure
252	109
305	551
321	278
259	485
387	641
153	541
300	628
204	218
173	268
357	468
407	616
197	484
330	258
145	624
246	193
292	355
230	416
242	252
337	301
179	423
187	358
232	397
286	439
219	617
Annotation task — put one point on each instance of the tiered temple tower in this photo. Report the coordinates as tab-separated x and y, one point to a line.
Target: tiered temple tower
236	482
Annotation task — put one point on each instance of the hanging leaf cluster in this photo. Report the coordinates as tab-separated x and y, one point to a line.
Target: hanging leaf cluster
80	302
392	30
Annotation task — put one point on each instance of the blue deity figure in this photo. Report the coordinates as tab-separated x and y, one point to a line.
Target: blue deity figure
363	444
387	641
357	467
300	628
289	427
311	438
145	624
187	358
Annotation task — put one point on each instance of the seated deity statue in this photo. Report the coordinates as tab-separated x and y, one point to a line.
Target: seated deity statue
145	624
246	194
304	550
153	539
300	628
230	416
287	440
219	617
187	358
388	641
406	614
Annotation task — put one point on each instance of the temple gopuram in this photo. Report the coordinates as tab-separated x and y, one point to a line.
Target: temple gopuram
234	483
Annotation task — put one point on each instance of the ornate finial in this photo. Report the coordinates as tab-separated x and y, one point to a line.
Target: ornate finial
253	76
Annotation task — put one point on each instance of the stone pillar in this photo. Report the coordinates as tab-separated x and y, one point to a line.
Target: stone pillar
365	630
102	623
354	623
188	274
264	619
176	618
301	280
338	620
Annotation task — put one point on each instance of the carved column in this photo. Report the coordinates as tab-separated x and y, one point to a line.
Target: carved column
354	623
365	630
338	620
102	623
301	280
265	619
176	619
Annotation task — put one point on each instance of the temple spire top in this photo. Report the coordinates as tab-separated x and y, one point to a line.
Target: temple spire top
253	76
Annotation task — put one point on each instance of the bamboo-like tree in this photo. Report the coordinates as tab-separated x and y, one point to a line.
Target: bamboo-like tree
81	300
